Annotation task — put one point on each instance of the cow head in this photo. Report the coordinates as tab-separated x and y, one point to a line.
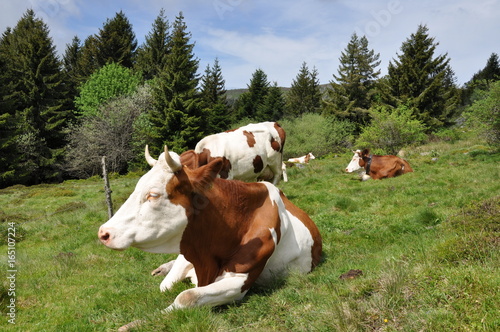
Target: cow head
357	163
155	215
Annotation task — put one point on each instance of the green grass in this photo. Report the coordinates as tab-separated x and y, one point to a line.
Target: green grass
427	243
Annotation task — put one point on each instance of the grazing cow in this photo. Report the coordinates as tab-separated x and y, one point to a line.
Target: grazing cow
302	160
251	153
230	234
377	167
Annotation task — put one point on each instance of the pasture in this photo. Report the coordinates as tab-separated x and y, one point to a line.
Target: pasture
426	243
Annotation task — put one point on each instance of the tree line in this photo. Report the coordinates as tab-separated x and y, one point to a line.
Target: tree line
109	96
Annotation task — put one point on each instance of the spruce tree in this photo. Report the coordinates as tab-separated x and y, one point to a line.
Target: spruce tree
152	55
213	94
304	95
117	42
8	129
350	94
273	105
249	102
482	79
37	94
176	115
87	61
422	81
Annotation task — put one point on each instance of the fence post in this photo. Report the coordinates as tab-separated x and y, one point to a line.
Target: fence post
107	189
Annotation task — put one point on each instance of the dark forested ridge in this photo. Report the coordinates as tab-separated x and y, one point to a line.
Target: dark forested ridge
109	96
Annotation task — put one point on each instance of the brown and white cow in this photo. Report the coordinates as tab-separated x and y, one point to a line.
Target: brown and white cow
377	167
251	153
302	160
230	234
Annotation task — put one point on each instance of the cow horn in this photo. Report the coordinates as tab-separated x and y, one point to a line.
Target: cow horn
151	161
174	165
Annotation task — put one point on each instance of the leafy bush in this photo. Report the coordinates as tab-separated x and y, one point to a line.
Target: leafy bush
113	133
317	134
391	130
110	81
484	114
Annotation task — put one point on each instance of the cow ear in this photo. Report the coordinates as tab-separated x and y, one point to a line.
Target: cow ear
204	176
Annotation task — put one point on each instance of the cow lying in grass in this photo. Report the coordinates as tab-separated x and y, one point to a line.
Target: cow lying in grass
377	167
230	234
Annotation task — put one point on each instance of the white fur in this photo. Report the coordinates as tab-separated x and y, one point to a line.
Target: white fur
354	164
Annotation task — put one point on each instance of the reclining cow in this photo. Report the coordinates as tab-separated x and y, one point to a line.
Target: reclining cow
302	160
230	234
251	153
377	167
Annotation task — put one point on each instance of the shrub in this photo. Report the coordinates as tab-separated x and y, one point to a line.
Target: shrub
484	114
317	134
391	130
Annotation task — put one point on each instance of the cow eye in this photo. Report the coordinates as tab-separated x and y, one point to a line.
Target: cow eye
152	195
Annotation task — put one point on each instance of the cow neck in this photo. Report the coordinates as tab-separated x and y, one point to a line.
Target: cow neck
368	164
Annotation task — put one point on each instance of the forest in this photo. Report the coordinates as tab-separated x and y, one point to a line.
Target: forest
108	96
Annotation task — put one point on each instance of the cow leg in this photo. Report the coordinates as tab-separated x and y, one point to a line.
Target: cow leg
163	269
283	169
181	269
225	289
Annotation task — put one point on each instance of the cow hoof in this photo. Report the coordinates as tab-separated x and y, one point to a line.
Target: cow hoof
127	327
163	269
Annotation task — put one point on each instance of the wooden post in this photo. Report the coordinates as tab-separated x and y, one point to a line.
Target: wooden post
107	189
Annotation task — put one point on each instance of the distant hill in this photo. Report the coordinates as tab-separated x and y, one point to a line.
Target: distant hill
234	94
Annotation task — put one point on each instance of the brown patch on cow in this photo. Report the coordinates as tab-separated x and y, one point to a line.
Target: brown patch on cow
275	145
382	167
281	134
250	138
194	160
258	164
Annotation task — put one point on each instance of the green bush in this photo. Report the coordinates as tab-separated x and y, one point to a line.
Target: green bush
484	114
391	130
110	81
317	134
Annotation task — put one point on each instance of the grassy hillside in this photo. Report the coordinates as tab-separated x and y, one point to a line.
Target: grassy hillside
426	243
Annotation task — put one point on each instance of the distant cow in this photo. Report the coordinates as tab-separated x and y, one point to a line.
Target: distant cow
377	167
302	160
251	153
230	234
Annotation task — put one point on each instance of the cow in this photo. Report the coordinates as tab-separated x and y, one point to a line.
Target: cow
302	160
230	234
377	167
251	153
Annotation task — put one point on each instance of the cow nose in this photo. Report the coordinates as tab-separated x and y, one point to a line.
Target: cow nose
103	235
347	170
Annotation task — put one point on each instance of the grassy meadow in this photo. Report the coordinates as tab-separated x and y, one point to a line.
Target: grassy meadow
426	243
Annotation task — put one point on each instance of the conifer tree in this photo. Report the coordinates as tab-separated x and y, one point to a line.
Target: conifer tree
273	105
304	95
88	60
350	95
176	116
152	55
249	102
482	79
422	81
37	94
213	94
117	42
8	132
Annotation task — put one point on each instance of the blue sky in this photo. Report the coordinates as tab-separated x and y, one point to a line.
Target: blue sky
278	36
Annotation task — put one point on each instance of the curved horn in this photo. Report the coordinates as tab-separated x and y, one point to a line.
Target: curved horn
174	165
151	161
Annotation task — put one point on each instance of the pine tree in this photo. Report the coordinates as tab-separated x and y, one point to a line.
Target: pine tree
423	82
273	105
176	116
37	94
152	55
304	95
88	62
249	102
213	94
350	95
117	42
482	79
8	131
